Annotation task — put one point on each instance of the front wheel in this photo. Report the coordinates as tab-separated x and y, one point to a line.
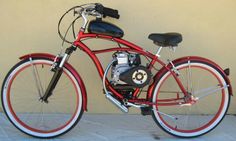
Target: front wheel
22	89
197	112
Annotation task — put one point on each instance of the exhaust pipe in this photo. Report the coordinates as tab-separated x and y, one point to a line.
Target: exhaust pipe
117	103
108	94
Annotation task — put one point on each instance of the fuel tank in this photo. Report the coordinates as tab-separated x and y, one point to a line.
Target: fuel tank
105	28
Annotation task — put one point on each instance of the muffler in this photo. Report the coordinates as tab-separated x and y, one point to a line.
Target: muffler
117	103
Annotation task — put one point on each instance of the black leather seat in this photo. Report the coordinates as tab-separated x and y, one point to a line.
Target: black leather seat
166	39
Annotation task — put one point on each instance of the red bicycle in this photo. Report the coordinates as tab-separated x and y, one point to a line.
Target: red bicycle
43	95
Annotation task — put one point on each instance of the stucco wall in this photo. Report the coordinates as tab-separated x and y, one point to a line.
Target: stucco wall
208	29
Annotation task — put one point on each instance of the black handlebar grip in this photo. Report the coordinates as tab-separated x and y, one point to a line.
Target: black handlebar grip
107	11
111	13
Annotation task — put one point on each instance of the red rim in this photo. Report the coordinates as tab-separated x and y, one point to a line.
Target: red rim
25	125
212	120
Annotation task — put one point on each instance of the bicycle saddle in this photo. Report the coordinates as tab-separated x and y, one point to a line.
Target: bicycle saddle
166	39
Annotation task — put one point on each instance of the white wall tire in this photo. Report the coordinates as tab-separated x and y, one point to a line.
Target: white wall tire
159	120
7	107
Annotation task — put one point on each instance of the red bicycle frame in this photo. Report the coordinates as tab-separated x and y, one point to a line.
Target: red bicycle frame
129	47
188	73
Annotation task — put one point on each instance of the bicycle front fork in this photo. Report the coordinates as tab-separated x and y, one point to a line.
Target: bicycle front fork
57	68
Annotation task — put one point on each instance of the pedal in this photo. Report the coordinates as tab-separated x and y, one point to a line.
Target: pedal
146	111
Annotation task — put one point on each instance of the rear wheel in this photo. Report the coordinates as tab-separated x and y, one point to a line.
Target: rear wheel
201	110
22	89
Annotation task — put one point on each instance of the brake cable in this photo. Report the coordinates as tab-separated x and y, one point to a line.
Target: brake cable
59	24
71	25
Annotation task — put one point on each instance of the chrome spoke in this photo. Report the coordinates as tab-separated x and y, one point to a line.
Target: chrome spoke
209	91
190	80
37	79
167	115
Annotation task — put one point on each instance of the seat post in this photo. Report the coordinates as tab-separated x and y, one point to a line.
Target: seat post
159	51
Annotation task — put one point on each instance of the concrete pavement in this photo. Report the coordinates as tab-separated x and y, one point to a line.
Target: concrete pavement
124	127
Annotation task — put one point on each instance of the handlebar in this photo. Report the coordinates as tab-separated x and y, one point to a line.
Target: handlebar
98	10
92	9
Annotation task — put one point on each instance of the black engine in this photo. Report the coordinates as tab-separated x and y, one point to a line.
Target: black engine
127	71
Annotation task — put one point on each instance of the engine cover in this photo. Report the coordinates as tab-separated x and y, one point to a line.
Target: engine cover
138	76
117	70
